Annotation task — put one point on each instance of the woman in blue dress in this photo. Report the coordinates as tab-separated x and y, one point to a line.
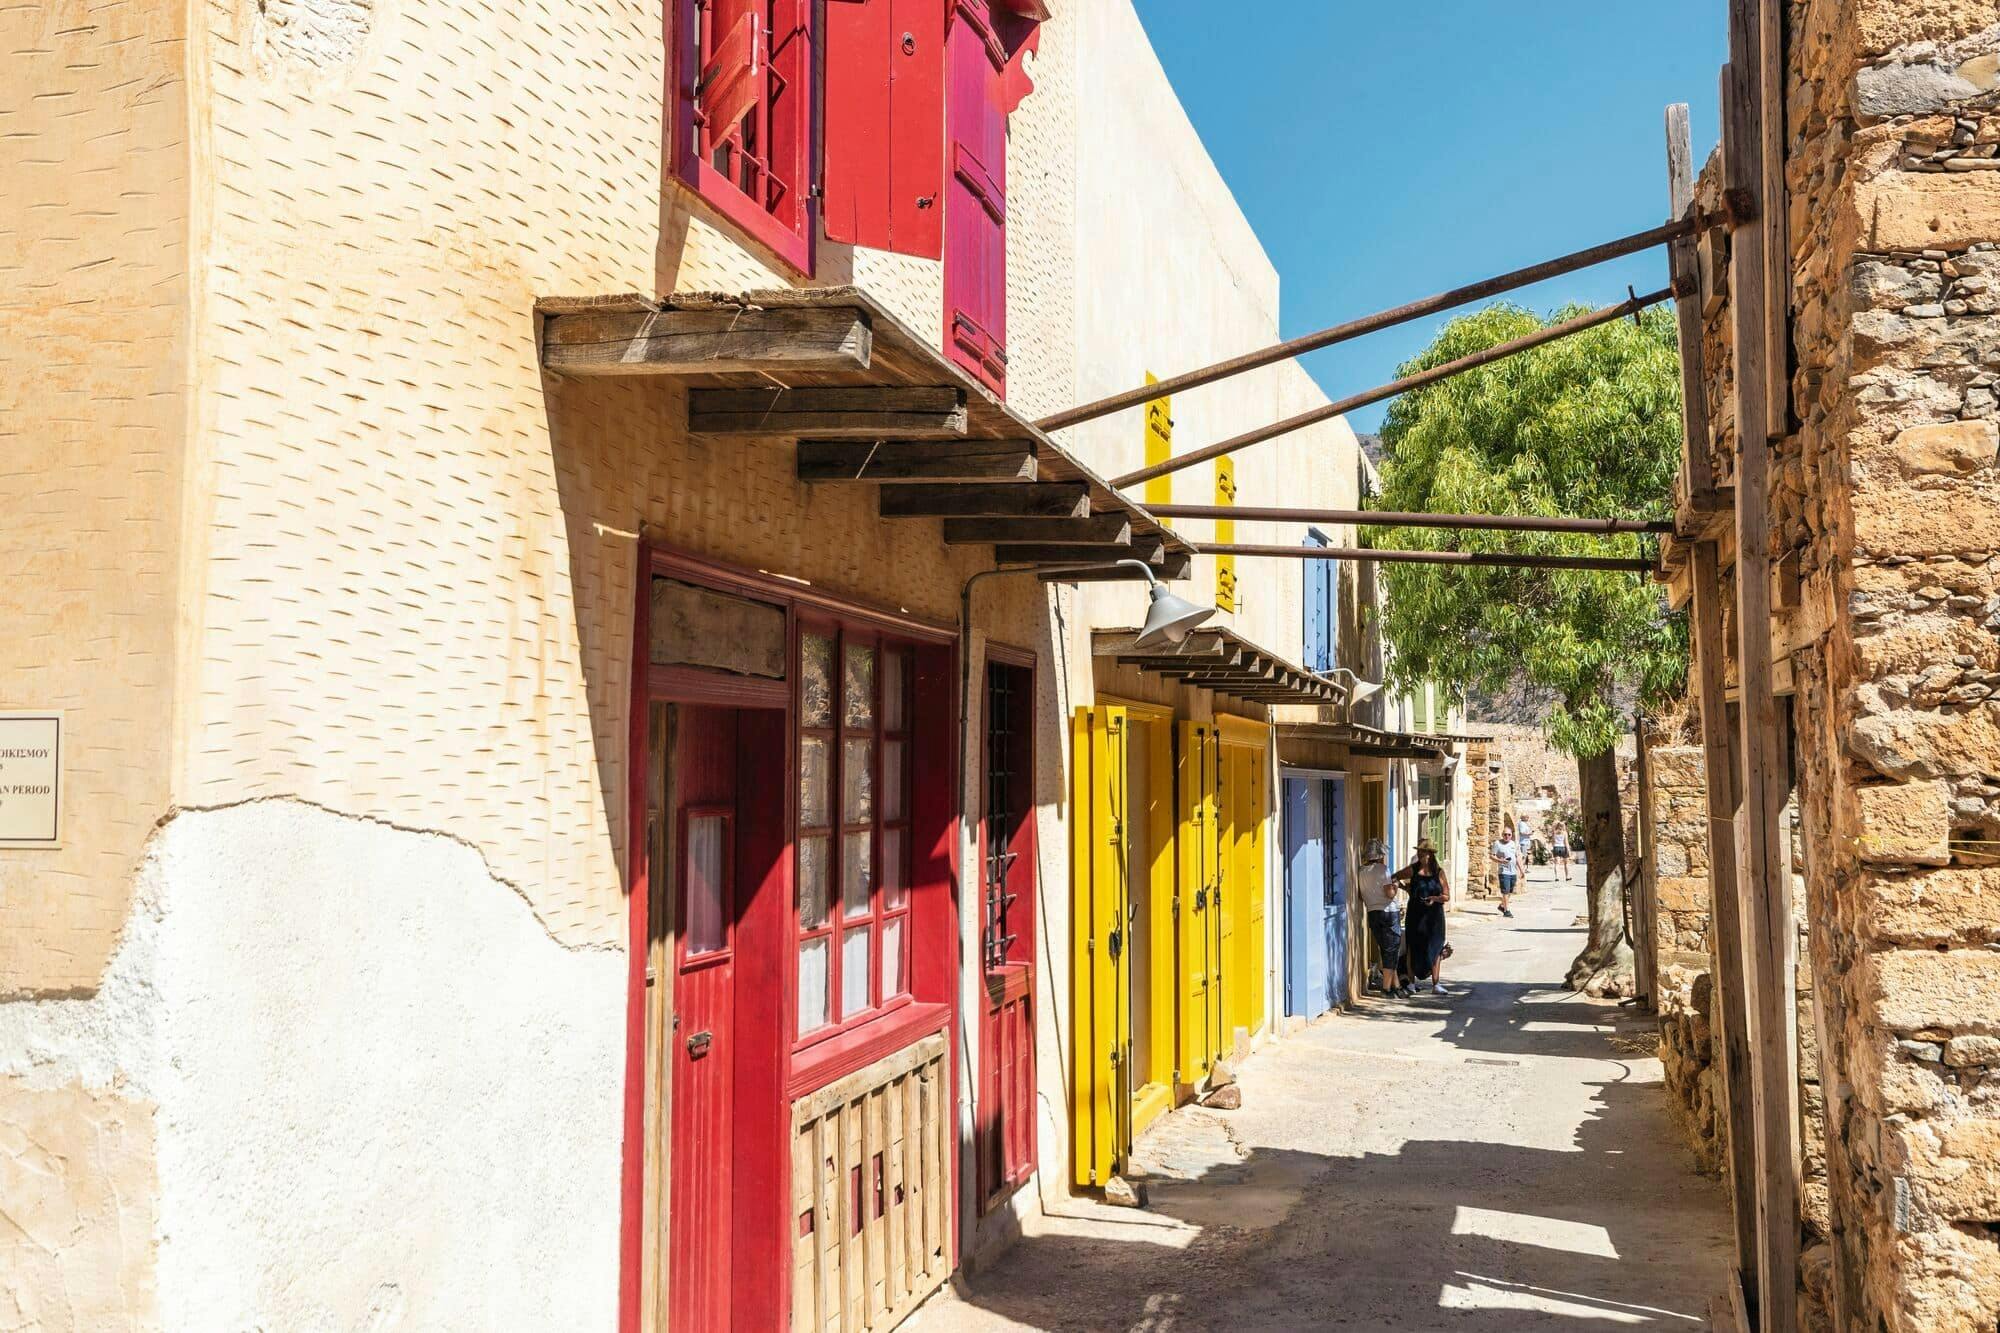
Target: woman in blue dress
1423	923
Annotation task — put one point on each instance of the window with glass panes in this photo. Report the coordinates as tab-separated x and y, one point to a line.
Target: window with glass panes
853	838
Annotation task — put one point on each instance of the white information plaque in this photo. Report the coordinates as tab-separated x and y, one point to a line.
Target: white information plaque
30	779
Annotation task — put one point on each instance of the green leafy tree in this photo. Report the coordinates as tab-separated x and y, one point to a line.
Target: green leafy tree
1588	425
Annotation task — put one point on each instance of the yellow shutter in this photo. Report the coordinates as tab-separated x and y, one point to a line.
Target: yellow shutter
1197	963
1225	532
1159	446
1099	844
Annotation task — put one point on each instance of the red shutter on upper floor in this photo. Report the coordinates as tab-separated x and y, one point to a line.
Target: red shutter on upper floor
884	165
732	80
983	47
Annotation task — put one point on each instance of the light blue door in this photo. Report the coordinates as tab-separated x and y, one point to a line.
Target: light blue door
1334	921
1307	895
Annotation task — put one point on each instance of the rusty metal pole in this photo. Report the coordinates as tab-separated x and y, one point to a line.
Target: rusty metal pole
1383	319
1366	554
1383	518
1553	333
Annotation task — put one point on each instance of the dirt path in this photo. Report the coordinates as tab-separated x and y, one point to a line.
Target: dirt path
1500	1161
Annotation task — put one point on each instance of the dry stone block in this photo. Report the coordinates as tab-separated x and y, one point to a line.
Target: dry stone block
1908	823
1958	905
1956	990
1921	743
1963	1052
1948	447
1928	210
1683	893
1905	521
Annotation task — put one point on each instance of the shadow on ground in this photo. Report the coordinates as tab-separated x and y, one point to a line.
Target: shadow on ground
1435	1236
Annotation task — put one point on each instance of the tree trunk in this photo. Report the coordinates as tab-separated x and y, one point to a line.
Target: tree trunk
1605	965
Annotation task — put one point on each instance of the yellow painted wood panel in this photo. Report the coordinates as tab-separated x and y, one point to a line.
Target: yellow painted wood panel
1099	910
1225	532
1197	961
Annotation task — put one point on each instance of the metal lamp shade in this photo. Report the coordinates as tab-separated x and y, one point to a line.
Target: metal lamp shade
1169	618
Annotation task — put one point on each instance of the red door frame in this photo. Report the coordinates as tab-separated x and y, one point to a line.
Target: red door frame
763	946
1009	1092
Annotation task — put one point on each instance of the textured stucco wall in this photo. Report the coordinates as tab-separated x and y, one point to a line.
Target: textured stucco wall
1170	278
94	303
384	1093
421	585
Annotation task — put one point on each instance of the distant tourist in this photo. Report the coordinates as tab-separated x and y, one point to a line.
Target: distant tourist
1423	924
1560	848
1507	855
1385	924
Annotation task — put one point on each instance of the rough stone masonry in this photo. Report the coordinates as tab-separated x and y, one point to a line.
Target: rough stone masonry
1885	514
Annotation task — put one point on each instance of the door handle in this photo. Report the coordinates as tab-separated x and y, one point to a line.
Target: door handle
698	1045
1117	943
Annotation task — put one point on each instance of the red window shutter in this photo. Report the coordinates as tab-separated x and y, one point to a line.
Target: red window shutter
885	124
983	84
732	81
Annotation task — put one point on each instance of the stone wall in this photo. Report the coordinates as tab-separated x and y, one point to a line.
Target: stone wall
1490	809
1885	513
1678	789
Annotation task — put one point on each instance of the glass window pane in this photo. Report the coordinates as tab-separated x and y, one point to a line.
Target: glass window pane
857	780
895	686
813	904
815	776
857	873
707	883
858	687
892	957
813	955
854	971
893	781
895	884
815	680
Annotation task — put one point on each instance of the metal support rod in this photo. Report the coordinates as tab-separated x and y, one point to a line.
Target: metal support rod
1367	554
1382	518
1383	319
1630	306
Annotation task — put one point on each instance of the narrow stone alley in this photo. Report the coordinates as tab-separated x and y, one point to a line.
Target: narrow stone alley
1501	1160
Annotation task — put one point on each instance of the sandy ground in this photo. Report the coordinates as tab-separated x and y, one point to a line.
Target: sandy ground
1496	1162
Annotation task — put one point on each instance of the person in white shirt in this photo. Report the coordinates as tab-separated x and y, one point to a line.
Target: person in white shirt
1385	922
1507	855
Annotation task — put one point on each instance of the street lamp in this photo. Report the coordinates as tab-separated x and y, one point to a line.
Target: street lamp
1168	618
1361	688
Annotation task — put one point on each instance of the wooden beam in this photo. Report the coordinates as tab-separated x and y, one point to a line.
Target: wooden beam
1732	1013
1109	530
1150	550
1064	499
899	462
847	411
1753	154
708	342
1681	265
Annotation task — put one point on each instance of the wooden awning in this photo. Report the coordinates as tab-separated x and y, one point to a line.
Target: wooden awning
1223	661
866	402
1375	743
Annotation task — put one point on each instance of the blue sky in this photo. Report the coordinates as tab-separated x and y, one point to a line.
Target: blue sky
1386	152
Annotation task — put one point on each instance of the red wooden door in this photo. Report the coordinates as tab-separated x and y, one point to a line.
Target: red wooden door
702	1147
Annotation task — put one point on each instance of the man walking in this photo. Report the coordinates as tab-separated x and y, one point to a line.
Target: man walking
1507	856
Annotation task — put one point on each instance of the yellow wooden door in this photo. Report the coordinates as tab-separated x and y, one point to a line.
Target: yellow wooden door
1228	904
1244	791
1197	962
1100	844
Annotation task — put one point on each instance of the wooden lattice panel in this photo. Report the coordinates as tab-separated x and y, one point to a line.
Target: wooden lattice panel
871	1192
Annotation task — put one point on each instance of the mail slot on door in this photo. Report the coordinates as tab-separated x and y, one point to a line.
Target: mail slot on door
698	1045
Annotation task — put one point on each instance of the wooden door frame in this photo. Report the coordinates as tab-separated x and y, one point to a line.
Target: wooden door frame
644	1230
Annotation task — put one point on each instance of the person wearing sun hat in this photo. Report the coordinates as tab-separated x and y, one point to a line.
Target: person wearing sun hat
1378	896
1423	924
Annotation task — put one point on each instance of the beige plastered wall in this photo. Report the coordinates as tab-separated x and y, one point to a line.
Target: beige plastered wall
335	588
1128	254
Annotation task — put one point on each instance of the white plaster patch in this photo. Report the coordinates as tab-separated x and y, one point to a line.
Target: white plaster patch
318	33
386	1096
